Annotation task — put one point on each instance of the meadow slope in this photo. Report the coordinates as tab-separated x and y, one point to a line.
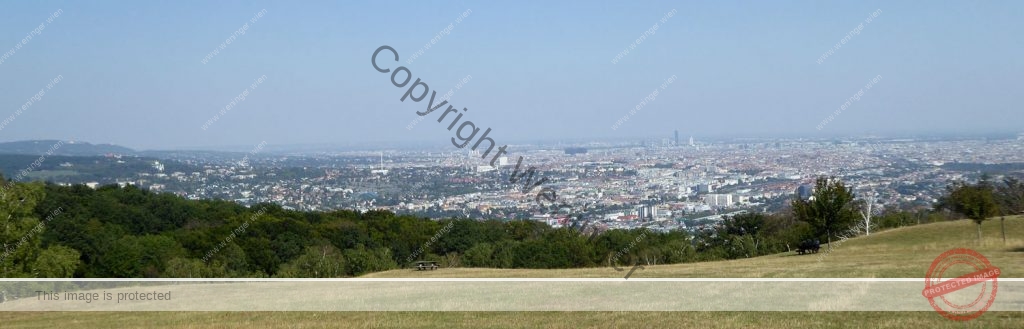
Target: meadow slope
898	253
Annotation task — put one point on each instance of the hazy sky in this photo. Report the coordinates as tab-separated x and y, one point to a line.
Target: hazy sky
133	72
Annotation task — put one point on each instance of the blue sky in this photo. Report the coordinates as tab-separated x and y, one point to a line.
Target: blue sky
132	72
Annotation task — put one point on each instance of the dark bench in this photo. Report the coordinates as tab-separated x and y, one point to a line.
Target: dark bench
808	246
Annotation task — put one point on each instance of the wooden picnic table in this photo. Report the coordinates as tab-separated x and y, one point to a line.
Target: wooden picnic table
426	265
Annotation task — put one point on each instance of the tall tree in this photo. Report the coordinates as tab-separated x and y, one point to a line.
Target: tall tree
830	209
1010	196
19	227
479	255
744	233
56	262
976	202
317	262
866	213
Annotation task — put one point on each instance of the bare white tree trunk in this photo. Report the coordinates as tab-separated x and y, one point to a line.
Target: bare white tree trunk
866	213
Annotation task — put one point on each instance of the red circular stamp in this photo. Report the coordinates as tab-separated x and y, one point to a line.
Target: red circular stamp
967	294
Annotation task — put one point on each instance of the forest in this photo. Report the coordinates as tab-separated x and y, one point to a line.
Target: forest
126	232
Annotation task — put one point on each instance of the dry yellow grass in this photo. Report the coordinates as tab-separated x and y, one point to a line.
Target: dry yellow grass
897	253
567	320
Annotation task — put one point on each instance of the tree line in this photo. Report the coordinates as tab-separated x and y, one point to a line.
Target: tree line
126	232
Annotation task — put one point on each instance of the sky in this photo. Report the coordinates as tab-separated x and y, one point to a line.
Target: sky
145	75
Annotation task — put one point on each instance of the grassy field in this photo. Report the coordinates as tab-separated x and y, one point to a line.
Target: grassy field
905	253
897	253
567	320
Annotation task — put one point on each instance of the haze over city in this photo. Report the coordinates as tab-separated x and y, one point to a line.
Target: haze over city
149	76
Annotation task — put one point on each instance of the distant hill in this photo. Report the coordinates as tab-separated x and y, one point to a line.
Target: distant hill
68	148
82	169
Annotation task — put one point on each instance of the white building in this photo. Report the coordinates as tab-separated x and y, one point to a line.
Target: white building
718	200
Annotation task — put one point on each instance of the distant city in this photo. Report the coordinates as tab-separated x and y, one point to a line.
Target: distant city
674	183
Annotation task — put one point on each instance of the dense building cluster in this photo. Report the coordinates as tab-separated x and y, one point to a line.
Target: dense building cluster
660	185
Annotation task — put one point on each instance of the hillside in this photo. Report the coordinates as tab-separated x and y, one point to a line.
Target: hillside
69	148
896	253
902	252
80	169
